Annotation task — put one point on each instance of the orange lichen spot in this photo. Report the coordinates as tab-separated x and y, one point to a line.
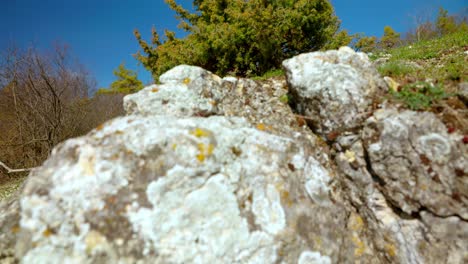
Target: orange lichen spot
198	132
333	135
100	127
48	232
300	121
154	90
111	199
15	229
360	246
186	81
286	197
213	103
390	249
263	127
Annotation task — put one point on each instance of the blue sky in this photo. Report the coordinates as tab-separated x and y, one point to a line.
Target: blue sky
100	32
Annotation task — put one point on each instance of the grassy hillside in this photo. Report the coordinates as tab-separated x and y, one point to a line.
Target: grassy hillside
427	77
442	60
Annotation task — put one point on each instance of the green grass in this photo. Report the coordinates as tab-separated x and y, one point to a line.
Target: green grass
420	95
430	48
395	68
269	74
441	59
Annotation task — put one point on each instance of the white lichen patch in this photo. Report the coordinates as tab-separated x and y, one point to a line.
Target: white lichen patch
269	213
395	128
312	257
317	180
435	146
199	219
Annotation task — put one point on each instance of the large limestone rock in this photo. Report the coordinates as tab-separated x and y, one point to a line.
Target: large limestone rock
175	190
211	170
334	88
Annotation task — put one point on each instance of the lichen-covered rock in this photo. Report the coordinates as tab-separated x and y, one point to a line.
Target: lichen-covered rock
211	170
421	166
185	91
177	190
333	88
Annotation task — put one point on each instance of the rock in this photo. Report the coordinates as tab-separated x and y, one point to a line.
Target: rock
419	163
225	172
383	58
333	88
392	84
463	92
407	178
176	190
183	92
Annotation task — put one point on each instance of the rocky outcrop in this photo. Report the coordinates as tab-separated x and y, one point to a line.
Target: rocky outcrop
335	88
210	170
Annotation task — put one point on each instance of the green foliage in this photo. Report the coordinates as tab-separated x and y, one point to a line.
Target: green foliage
420	95
340	39
390	38
269	74
127	82
241	37
366	44
395	68
285	98
445	24
442	59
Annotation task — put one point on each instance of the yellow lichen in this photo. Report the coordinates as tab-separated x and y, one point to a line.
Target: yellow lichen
263	127
390	249
186	81
198	132
155	90
360	246
356	222
286	197
15	229
94	239
48	232
350	155
204	151
174	146
210	149
317	242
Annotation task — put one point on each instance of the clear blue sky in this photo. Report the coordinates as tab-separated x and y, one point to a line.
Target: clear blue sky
100	32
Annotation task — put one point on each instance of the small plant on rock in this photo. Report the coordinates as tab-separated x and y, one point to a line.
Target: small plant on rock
420	95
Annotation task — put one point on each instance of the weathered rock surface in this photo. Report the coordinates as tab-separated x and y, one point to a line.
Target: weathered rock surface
211	170
334	88
421	165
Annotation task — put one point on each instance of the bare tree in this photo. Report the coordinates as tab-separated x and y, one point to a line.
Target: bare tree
39	103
